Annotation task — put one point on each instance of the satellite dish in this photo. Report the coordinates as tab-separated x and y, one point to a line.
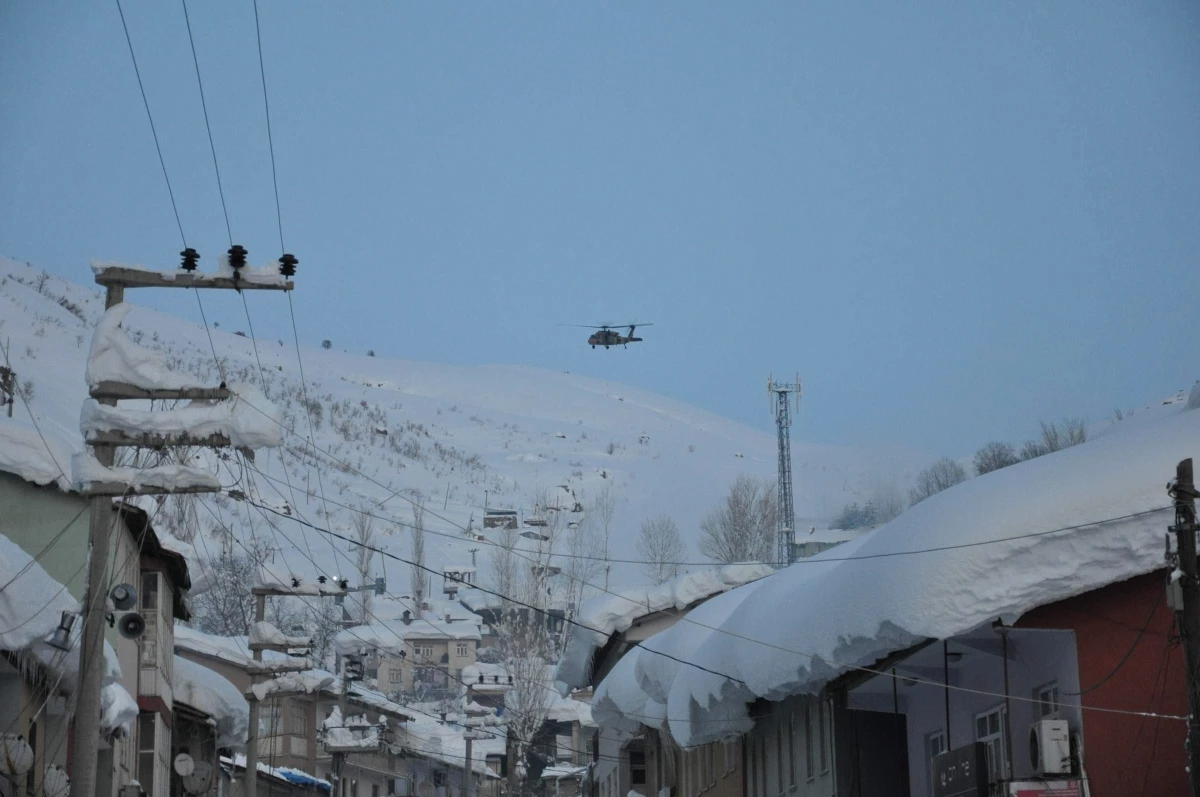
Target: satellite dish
16	756
425	789
200	780
184	765
56	783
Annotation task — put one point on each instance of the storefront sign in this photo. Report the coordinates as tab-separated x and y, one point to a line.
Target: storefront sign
961	773
1046	788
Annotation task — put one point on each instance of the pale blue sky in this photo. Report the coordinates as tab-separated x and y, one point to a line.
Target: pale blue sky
952	218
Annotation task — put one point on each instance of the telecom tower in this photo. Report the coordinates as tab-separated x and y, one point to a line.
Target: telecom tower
783	394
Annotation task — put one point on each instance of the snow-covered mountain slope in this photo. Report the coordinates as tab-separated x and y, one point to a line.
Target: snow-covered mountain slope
458	436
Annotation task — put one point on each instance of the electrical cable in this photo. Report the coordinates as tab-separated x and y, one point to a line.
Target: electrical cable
270	139
207	126
812	656
1137	640
154	131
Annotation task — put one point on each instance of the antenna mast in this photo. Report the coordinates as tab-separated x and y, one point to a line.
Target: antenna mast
783	395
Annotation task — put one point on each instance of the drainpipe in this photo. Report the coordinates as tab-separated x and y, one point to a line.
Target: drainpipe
1007	703
946	688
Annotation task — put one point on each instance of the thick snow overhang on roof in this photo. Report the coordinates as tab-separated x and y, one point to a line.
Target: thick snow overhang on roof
885	591
207	691
604	615
31	607
24	454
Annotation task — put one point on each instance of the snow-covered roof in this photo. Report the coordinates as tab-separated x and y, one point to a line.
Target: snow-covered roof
433	739
477	600
396	636
204	690
23	454
886	590
31	606
287	774
560	772
606	614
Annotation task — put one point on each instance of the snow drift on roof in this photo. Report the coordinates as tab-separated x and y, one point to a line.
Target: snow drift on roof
391	638
31	606
603	615
855	604
205	690
116	358
22	453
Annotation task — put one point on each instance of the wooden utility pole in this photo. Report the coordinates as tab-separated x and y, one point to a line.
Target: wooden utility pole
86	729
1183	492
250	789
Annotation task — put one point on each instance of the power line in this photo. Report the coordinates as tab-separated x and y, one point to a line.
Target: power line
684	618
162	162
207	125
270	139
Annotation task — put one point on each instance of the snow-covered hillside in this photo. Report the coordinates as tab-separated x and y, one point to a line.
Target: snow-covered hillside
458	436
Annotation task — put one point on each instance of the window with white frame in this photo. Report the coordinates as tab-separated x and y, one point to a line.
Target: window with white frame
147	722
461	649
395	675
1045	700
935	745
990	729
423	652
149	641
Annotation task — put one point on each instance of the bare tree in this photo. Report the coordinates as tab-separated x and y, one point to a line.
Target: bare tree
224	605
661	547
742	529
364	545
604	507
937	477
994	456
419	579
1055	437
889	503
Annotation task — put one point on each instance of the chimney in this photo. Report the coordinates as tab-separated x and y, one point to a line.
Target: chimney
407	617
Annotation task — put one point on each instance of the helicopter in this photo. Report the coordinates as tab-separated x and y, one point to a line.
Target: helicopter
606	336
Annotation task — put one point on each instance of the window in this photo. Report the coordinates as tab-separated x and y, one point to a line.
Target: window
269	716
1045	701
374	790
791	744
150	613
146	754
461	649
424	652
395	675
808	741
637	766
935	745
990	729
299	719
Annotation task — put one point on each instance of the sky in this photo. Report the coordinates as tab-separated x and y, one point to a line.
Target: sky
951	219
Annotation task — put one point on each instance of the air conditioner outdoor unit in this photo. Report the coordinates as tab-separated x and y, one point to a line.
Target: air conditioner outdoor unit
1050	747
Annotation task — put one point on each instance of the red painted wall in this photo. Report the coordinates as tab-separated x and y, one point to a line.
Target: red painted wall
1123	754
